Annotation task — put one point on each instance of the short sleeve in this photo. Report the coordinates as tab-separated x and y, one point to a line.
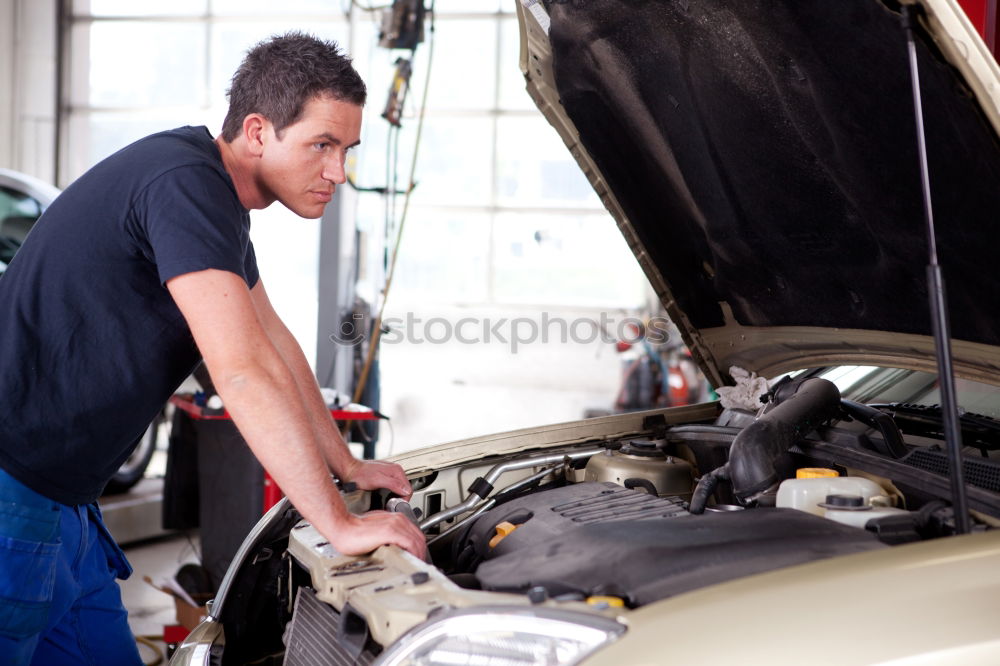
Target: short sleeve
192	221
250	266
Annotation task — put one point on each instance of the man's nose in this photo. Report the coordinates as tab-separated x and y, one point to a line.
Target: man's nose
334	171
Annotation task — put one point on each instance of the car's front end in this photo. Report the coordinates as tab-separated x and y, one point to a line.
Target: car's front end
597	570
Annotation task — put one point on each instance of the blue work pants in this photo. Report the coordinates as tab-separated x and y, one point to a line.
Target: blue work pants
59	602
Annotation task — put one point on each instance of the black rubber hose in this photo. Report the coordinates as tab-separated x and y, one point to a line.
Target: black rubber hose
892	440
705	488
645	484
757	448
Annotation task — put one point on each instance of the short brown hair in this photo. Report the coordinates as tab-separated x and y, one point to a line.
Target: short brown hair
279	75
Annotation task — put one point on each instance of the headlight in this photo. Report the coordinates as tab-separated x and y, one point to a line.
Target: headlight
508	636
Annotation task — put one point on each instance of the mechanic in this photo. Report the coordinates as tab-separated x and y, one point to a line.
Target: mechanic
138	271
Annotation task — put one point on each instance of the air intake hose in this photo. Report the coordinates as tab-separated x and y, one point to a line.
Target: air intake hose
796	408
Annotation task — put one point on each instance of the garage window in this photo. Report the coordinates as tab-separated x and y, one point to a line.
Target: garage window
500	209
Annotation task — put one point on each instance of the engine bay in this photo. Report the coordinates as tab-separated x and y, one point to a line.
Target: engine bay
606	526
628	520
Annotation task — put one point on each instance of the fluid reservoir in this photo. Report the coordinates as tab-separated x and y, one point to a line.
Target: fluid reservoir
808	494
852	510
641	464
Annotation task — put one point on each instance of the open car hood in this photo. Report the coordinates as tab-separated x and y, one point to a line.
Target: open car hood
761	160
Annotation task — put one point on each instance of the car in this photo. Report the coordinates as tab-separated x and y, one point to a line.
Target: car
762	160
23	199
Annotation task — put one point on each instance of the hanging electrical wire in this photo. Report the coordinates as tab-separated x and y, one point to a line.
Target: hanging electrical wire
390	193
394	185
390	272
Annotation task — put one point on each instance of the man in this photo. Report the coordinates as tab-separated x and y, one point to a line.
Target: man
140	269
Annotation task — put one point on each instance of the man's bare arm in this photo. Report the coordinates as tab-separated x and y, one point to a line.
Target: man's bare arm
262	395
368	475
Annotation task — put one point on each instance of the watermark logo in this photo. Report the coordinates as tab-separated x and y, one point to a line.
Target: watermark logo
352	331
515	333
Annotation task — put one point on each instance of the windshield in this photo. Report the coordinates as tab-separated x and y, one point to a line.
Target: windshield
869	384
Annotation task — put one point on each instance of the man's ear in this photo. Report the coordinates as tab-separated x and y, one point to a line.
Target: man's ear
254	129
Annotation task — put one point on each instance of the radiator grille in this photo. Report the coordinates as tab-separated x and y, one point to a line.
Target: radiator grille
314	639
980	473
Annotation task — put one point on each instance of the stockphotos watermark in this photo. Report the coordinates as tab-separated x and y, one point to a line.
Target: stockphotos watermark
515	332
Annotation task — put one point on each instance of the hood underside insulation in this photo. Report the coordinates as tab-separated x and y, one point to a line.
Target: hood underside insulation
765	154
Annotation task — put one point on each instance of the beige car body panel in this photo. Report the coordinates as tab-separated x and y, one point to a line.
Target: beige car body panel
936	602
772	350
381	587
387	588
616	426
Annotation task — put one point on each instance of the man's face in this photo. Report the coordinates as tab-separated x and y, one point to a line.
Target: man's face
304	166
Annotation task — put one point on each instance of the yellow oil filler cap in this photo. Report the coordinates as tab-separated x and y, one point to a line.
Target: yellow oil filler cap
612	602
504	530
815	473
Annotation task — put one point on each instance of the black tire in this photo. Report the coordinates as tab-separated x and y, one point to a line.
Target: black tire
134	467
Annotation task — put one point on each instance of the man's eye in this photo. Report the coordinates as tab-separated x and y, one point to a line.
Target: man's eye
321	145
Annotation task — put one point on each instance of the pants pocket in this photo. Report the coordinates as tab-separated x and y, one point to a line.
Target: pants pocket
27	578
116	557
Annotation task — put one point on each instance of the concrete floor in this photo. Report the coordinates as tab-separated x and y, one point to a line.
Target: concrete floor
148	608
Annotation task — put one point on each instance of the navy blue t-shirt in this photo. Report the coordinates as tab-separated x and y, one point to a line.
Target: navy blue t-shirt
91	342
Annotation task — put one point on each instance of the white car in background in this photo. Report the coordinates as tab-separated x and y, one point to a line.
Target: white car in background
23	199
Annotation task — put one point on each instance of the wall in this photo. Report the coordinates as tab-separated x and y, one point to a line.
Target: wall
28	81
6	82
986	19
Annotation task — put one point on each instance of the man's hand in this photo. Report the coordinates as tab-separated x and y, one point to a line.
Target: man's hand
363	534
266	402
376	474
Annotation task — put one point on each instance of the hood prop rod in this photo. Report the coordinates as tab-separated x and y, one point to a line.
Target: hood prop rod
938	303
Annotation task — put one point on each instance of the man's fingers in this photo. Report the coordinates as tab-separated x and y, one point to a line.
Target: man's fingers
400	487
403	488
401	483
410	536
376	528
403	533
374	474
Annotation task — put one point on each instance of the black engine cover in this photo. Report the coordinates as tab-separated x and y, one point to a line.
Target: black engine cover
543	515
647	560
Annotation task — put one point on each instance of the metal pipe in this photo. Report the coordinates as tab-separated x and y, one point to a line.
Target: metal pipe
496	472
483	508
490	503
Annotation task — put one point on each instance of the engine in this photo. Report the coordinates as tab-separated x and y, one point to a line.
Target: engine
568	521
599	539
627	521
